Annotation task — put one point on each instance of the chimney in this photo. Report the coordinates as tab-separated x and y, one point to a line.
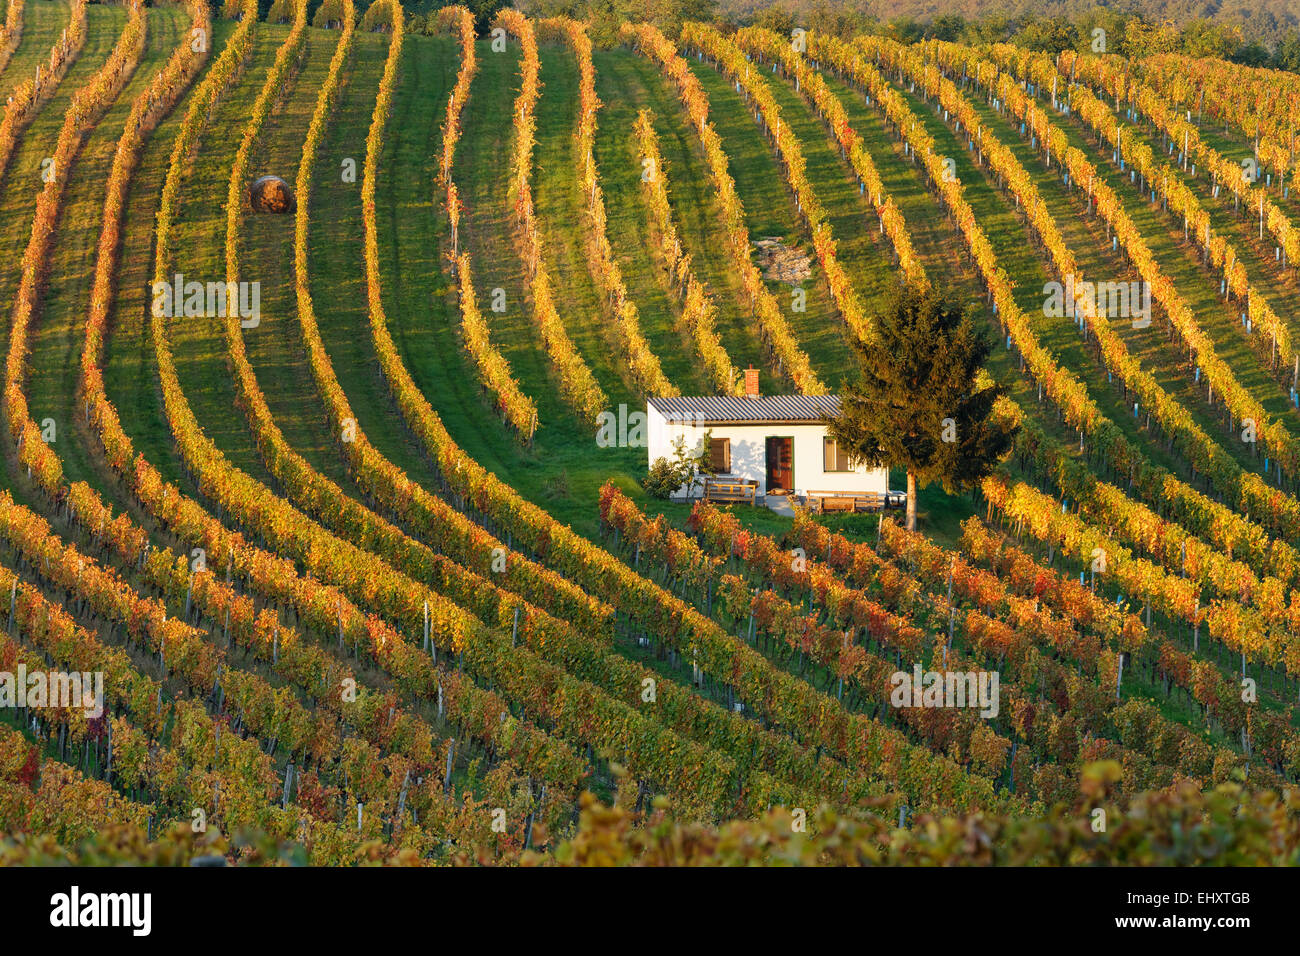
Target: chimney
751	382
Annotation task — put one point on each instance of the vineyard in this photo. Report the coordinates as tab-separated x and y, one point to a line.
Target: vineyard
313	499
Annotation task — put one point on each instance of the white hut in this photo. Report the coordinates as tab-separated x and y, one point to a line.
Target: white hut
766	445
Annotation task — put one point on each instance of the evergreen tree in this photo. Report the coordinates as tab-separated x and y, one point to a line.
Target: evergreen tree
916	403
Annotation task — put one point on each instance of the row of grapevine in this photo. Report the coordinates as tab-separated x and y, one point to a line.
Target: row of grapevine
516	409
1203	682
810	84
1201	679
936	784
1221	525
731	60
88	104
790	361
1158	178
902	115
1142	99
231	776
642	363
1278	509
962	736
373	721
1108	442
577	384
1264	104
318	605
47	799
1011	640
224	776
1172	595
578	654
1165	539
813	718
1082	617
1220	379
1060	385
435	520
26	98
594	663
11	31
1281	555
698	308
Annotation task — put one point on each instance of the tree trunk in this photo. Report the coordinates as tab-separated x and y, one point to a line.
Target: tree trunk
911	501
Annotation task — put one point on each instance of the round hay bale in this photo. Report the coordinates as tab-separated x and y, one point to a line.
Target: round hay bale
272	194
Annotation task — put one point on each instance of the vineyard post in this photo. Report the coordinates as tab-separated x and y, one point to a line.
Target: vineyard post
1196	626
528	824
951	615
401	798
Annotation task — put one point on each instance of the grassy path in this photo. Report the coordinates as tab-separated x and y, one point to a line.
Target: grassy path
561	218
564	469
129	375
274	347
866	252
200	350
410	221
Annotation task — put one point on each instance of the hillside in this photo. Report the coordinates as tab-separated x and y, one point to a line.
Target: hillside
320	495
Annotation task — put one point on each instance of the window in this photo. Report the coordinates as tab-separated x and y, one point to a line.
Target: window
720	455
833	459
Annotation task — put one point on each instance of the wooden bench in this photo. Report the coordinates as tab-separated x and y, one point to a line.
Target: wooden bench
821	502
731	492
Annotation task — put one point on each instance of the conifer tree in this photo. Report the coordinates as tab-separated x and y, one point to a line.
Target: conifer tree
916	403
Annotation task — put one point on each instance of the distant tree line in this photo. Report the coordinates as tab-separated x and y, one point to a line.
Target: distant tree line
1265	33
1254	32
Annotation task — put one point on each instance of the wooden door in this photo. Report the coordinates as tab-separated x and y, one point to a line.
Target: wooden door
780	464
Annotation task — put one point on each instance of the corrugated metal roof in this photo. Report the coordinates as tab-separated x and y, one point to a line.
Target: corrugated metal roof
758	410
